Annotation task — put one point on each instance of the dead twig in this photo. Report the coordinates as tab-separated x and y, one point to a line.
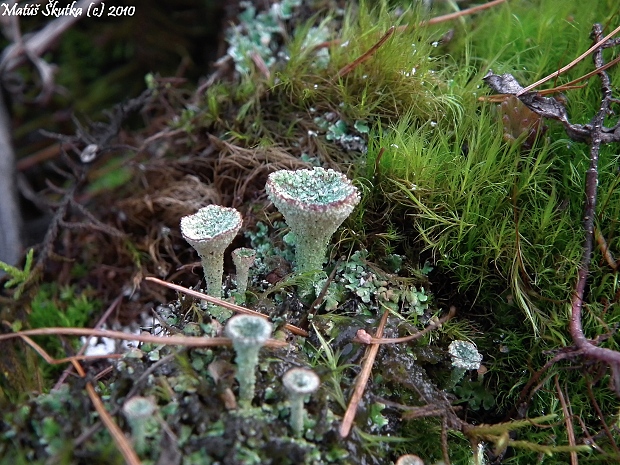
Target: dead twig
163	340
362	379
222	303
363	337
596	134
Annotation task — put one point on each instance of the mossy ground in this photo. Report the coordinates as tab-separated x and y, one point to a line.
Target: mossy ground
483	214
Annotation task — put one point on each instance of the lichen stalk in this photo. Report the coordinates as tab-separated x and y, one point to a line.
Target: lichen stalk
138	410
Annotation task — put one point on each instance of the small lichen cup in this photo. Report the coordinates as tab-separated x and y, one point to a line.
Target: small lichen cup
299	383
138	411
314	203
210	231
243	258
248	333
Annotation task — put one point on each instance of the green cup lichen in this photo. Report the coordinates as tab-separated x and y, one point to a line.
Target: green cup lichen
314	203
243	258
138	410
248	333
210	230
299	383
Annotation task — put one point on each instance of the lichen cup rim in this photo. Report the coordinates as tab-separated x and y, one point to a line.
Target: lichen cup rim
311	384
349	195
232	329
189	226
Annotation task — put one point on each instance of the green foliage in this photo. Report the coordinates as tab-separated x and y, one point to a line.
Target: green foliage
65	307
18	277
355	278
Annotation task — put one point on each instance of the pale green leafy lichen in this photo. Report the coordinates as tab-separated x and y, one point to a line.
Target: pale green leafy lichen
465	356
256	33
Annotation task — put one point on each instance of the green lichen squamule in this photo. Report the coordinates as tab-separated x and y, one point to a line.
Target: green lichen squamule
314	204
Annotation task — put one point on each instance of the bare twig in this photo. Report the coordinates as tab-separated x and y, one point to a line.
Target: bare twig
596	134
575	326
163	340
364	337
36	44
10	217
362	379
222	303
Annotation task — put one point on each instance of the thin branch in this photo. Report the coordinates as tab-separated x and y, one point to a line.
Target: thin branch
362	379
222	303
41	41
164	340
596	46
575	325
365	338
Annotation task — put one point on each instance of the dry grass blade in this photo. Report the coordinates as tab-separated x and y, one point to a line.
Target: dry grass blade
222	303
602	243
362	379
571	64
468	11
366	55
567	419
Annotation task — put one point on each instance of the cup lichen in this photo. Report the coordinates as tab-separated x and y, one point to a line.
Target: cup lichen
314	203
248	333
210	230
138	410
299	383
243	258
